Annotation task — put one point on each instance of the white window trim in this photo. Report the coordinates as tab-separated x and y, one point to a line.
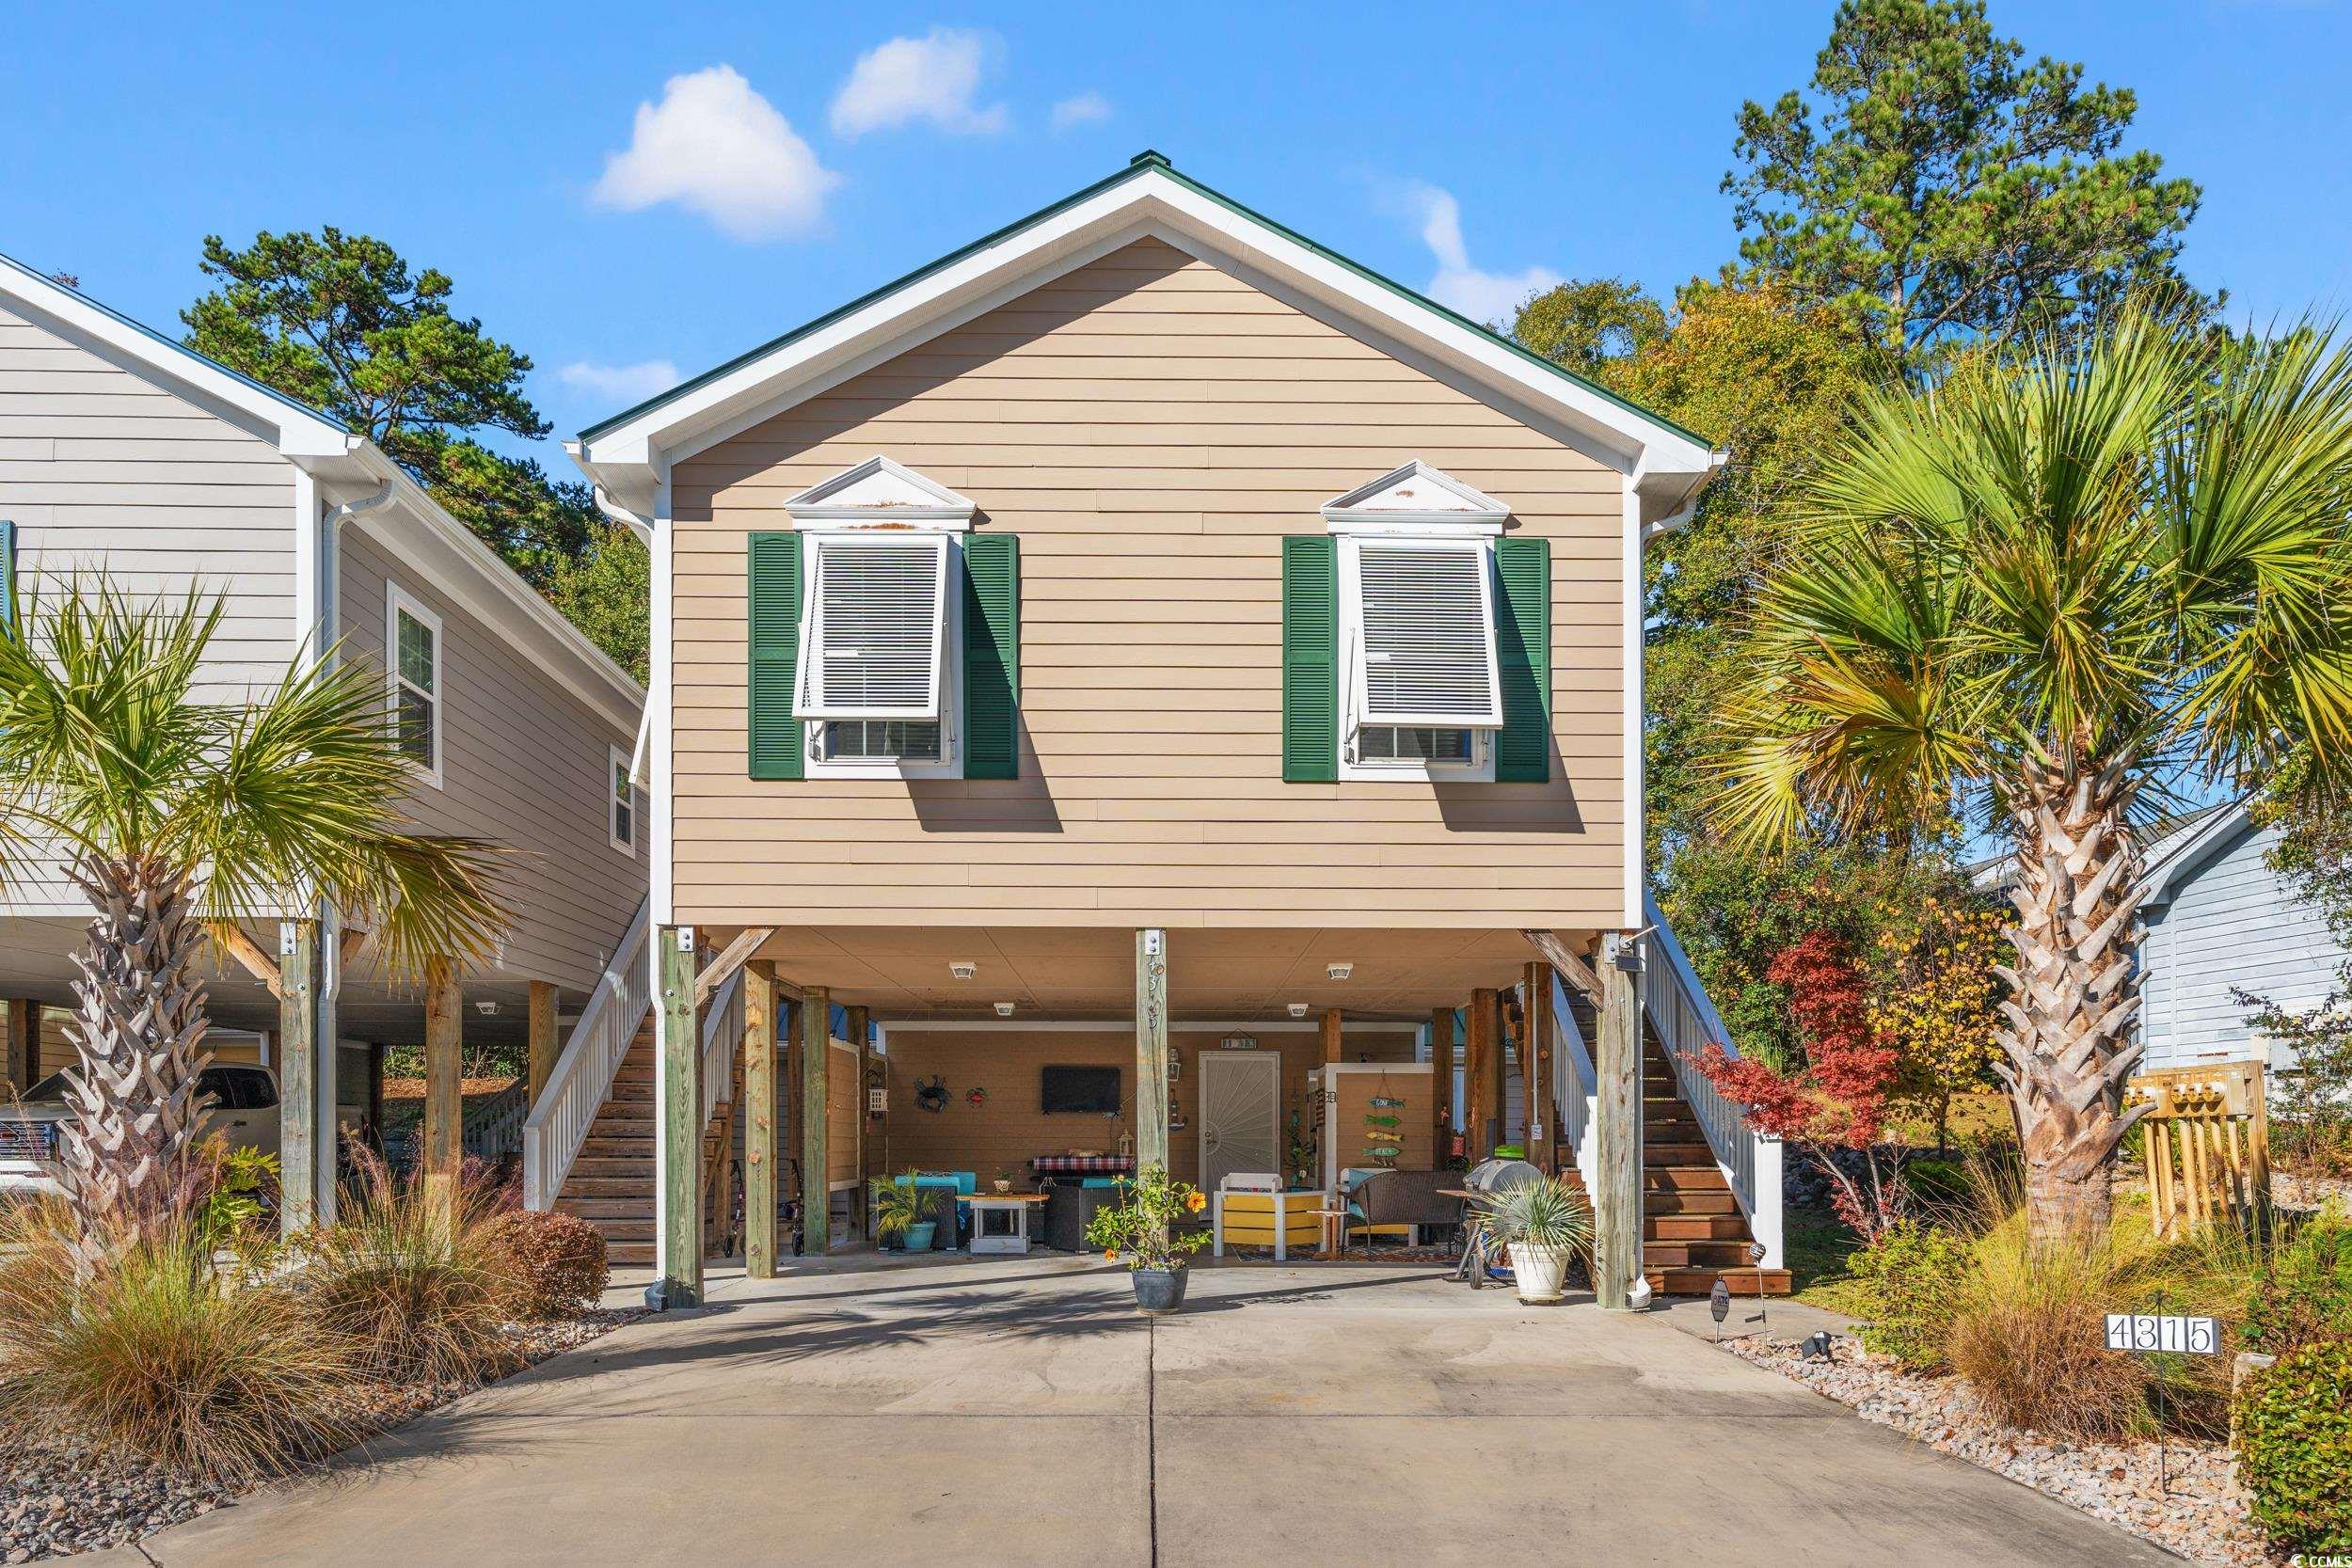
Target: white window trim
397	602
1479	768
616	766
950	763
807	704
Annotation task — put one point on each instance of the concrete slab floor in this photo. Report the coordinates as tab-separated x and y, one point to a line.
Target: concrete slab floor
1017	1411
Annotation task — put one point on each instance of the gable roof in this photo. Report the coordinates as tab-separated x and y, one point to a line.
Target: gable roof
347	467
1150	196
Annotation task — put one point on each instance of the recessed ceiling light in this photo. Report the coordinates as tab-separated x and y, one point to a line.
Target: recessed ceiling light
1338	972
964	969
1299	1010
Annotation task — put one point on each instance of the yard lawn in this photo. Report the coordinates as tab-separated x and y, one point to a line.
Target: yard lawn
1018	1411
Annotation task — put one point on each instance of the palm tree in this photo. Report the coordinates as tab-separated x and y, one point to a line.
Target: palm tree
2046	593
177	816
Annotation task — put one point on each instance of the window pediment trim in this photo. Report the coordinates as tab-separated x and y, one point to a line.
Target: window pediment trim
881	492
1416	498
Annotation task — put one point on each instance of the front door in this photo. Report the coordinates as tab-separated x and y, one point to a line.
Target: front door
1241	1111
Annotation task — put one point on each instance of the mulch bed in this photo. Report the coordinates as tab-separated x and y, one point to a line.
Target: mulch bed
2200	1514
58	1496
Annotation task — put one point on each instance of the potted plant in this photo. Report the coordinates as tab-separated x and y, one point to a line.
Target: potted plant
1545	1223
1004	1182
1143	1227
902	1212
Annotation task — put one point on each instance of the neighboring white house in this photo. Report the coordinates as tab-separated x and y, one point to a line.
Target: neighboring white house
121	448
2219	921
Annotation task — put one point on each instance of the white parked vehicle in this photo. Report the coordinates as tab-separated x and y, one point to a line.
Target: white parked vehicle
243	1107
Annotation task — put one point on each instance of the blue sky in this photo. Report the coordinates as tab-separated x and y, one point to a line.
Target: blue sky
625	191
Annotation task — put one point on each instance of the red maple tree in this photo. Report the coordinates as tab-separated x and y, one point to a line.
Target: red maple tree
1838	1098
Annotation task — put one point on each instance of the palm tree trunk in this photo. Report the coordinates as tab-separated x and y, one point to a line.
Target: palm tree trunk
138	1033
2075	991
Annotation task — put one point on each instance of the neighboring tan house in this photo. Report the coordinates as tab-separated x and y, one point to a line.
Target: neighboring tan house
121	449
1142	663
2221	920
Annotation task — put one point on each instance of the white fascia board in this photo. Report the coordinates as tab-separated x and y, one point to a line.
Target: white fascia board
775	380
460	566
296	432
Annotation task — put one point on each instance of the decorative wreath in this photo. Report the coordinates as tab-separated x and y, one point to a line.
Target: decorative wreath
930	1094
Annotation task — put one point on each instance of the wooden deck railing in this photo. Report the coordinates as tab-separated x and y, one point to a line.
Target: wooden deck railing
583	1076
1686	1024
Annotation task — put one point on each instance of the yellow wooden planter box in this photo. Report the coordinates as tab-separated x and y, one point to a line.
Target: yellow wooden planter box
1277	1220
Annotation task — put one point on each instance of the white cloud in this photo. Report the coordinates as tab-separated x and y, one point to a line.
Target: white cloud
715	146
1483	296
932	78
620	384
1085	109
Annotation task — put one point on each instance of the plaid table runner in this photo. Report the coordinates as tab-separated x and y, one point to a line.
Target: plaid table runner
1083	1165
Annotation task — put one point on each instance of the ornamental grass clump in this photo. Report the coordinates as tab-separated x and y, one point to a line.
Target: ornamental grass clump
154	1356
422	1283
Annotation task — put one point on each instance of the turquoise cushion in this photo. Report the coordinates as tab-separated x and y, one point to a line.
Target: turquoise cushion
1098	1181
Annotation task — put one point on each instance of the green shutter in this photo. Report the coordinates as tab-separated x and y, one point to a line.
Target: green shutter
1523	648
1311	658
992	657
7	573
777	738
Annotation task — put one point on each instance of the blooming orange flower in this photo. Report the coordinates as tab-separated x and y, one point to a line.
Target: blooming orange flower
1110	1254
1196	1201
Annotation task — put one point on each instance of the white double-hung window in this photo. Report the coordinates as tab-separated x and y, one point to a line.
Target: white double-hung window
1420	687
879	638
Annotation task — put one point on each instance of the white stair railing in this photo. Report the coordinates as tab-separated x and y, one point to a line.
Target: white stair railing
1575	1087
583	1076
1687	1024
723	1031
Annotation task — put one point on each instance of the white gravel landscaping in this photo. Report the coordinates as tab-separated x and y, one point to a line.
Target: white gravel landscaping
58	1497
2200	1514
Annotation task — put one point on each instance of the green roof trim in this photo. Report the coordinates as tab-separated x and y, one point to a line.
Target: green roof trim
1144	161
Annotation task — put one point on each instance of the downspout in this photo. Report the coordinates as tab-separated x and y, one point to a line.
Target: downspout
327	1035
642	528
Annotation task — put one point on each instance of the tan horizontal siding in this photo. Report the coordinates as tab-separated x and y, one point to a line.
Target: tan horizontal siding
1151	427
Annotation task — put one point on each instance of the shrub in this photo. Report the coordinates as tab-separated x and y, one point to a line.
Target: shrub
1911	1281
2294	1442
560	1262
155	1357
423	1288
2305	1295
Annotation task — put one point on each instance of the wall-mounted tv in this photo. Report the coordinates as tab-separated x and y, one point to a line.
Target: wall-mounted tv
1092	1089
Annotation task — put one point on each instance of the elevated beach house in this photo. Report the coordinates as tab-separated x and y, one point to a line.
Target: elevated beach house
121	449
1120	691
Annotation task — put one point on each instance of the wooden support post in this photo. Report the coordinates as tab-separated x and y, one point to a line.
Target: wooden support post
22	1067
759	1120
1543	1130
816	1173
857	1021
679	1183
1333	1029
1481	1063
299	1153
1150	1050
1617	1136
544	1046
444	1096
1440	1082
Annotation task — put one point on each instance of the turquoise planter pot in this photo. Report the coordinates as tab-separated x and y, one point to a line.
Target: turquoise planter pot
919	1235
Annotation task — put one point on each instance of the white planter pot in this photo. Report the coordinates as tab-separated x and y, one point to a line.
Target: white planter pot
1538	1271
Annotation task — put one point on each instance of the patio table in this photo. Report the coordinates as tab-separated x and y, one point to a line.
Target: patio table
1013	1206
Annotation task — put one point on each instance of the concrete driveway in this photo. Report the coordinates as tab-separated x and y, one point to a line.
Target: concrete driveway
1017	1411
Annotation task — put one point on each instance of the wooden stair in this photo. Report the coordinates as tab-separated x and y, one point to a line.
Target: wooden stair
610	1184
1693	1231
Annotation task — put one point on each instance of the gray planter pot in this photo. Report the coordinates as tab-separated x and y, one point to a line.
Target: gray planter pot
1159	1291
